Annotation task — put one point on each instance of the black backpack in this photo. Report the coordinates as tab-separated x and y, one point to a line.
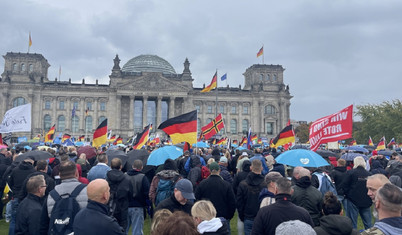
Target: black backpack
64	211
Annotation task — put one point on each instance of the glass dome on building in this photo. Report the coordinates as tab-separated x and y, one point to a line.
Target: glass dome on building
148	63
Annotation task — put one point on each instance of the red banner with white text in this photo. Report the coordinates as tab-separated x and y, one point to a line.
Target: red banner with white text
337	126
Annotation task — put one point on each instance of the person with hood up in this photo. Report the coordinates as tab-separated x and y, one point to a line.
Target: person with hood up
119	184
247	195
169	172
333	222
195	172
223	163
307	196
204	215
376	168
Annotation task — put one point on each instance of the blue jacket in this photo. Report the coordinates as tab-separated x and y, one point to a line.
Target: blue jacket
94	219
187	166
98	172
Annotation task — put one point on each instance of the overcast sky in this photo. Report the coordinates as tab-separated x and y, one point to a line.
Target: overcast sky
335	53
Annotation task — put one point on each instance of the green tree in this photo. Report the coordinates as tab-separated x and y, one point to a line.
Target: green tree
378	120
302	133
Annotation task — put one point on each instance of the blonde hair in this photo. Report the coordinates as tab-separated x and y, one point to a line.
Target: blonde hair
203	210
159	217
359	161
211	160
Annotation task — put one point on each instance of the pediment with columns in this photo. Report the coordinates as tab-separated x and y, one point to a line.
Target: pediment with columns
151	81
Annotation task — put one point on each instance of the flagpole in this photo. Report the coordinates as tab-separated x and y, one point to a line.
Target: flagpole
216	95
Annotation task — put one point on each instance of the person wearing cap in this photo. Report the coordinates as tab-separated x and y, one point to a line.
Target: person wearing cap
181	199
224	173
219	192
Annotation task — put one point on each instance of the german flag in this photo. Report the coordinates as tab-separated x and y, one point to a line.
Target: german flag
182	128
243	141
100	134
118	141
65	137
287	135
260	52
112	138
50	134
370	142
381	144
213	127
235	142
259	141
142	138
222	141
353	142
81	138
254	138
212	85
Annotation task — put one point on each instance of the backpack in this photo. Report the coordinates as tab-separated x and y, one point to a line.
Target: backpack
325	184
164	190
205	172
64	211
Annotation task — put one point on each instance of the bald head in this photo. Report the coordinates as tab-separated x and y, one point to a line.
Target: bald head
98	190
374	182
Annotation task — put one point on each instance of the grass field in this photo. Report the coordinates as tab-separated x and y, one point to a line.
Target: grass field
147	226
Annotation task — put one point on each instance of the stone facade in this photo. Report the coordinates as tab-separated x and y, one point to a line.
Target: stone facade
135	98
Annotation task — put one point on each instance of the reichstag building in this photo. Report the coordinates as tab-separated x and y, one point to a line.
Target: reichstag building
146	89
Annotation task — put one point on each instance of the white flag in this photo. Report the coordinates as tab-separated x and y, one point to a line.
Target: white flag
17	119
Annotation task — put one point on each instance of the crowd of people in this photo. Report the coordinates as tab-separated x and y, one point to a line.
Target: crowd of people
198	193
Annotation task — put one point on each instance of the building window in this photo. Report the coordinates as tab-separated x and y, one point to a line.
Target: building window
208	121
209	109
22	67
75	124
30	68
102	106
47	122
61	123
88	124
151	112
165	111
15	67
269	128
275	78
261	77
233	126
101	119
47	104
234	109
18	101
198	125
138	116
75	104
198	108
268	78
61	105
245	109
269	109
222	109
89	106
245	126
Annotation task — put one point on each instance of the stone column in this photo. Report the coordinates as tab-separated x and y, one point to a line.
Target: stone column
158	111
82	108
69	116
131	113
96	115
171	107
144	110
118	113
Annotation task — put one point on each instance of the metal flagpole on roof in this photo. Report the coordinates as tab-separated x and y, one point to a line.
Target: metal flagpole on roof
216	94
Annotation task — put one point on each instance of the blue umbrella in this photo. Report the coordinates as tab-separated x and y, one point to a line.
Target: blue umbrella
357	149
159	156
352	156
201	145
240	148
301	157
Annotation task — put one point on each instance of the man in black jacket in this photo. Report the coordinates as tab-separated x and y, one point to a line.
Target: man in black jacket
94	218
269	217
247	195
179	201
138	198
16	182
219	192
28	221
307	196
119	192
